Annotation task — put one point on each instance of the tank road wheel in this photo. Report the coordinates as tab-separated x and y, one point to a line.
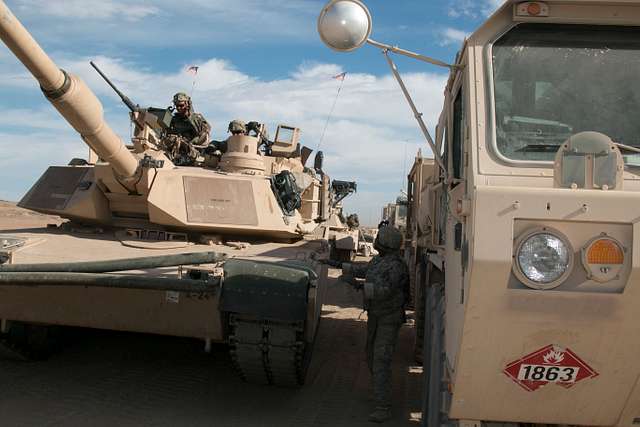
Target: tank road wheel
27	342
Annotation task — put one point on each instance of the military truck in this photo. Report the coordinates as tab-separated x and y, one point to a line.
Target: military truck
527	241
396	213
126	257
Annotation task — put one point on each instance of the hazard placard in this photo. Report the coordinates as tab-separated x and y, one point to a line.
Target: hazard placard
550	364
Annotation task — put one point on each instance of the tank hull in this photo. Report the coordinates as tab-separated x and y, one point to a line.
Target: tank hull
200	315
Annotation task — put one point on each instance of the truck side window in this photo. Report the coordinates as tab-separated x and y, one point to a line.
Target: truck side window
458	139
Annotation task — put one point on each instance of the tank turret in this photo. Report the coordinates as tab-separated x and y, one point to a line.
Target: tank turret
255	187
69	95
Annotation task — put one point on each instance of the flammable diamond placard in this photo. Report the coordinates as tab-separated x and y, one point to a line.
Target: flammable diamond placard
550	364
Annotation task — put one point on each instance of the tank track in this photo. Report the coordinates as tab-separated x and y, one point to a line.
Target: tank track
264	351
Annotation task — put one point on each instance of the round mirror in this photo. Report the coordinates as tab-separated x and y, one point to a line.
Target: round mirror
344	25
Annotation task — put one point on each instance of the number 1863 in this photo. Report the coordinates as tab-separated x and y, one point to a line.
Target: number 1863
550	373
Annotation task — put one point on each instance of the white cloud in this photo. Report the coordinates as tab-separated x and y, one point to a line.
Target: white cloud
452	36
25	157
169	22
364	141
473	9
45	118
88	9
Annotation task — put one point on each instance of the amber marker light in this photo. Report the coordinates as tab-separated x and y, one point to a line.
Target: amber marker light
534	9
603	258
605	251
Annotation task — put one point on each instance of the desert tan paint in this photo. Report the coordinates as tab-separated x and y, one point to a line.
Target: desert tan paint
182	197
487	324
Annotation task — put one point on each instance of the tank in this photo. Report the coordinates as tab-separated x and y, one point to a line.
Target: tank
524	217
134	250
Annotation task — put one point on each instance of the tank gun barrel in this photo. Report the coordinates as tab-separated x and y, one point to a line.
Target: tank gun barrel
68	94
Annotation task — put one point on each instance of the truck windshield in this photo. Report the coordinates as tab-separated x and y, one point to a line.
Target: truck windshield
553	81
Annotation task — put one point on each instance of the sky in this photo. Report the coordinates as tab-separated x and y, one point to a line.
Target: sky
258	60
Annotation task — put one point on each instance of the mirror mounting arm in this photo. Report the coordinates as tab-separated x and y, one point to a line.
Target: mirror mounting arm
410	54
416	113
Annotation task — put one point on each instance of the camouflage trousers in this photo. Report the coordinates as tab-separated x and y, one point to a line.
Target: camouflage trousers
382	335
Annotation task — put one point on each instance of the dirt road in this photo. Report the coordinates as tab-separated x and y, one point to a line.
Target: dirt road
120	379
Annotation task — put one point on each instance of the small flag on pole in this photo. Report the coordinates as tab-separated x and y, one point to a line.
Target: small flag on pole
193	70
340	76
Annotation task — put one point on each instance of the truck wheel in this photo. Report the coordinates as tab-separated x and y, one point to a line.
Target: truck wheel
437	399
419	310
435	385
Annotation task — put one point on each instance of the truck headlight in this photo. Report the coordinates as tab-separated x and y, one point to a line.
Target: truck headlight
543	259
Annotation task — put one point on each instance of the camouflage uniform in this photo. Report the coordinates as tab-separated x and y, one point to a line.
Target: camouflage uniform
194	129
386	288
185	133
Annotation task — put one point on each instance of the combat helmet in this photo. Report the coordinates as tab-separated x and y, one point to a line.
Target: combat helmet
389	239
237	126
181	97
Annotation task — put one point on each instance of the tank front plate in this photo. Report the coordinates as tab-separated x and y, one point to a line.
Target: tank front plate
219	201
54	189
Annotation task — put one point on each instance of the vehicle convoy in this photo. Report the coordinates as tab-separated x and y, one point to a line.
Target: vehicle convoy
527	241
126	259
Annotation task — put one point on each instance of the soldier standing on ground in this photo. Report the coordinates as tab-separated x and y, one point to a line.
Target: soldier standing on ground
385	293
187	132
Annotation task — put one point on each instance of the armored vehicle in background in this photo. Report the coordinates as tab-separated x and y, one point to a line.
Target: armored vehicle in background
525	226
396	213
120	263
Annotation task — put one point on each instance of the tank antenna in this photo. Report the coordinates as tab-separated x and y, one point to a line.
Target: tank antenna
193	70
340	77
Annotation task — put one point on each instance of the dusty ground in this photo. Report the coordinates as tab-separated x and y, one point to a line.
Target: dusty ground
109	379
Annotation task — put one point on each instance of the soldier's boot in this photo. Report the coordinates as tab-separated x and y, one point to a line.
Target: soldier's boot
380	415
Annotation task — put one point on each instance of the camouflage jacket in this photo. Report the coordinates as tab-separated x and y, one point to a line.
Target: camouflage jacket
390	278
194	128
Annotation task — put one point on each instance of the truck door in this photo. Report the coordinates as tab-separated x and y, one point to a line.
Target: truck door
456	243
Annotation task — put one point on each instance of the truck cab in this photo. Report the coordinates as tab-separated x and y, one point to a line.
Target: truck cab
532	272
525	229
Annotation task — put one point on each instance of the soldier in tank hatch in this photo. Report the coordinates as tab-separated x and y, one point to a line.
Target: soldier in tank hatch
188	131
218	148
386	290
237	127
185	122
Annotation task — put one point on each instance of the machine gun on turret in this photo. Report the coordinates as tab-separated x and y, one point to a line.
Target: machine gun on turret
122	96
158	119
342	189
